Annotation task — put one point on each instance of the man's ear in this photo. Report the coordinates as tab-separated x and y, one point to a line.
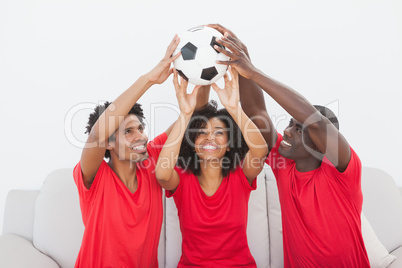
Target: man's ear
110	145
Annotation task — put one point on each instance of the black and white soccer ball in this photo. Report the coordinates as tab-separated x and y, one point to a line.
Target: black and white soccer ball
197	63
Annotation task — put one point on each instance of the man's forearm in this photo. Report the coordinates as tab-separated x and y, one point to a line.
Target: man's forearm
253	103
202	97
293	102
110	120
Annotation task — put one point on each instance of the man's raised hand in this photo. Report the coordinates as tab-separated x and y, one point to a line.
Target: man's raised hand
226	32
163	69
238	58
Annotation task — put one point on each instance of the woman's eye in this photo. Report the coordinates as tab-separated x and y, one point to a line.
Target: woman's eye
219	133
299	130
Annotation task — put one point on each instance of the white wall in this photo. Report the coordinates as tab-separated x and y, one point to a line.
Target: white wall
57	58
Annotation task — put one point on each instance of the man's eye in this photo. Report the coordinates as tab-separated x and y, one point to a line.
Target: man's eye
127	131
299	130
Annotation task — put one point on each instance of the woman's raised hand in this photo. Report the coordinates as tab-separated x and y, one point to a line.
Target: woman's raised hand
187	102
229	95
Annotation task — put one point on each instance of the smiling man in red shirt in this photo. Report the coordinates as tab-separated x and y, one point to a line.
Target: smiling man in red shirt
318	174
121	200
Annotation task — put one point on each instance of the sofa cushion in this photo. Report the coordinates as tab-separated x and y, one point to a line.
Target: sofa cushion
173	235
382	206
257	226
162	240
257	231
19	213
17	252
398	262
377	253
58	226
275	220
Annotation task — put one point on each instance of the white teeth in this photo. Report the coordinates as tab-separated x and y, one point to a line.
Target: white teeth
141	147
286	143
209	147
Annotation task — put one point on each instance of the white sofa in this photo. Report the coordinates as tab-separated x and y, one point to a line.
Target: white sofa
43	228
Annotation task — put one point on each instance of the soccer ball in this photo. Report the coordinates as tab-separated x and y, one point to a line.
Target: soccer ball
197	62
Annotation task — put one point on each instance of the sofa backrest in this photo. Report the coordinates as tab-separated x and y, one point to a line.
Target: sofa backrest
19	213
274	220
257	229
382	205
58	226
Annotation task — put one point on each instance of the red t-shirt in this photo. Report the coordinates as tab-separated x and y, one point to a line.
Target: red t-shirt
214	227
320	213
122	229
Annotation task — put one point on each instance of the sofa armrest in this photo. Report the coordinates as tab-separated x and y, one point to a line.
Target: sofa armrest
17	252
19	213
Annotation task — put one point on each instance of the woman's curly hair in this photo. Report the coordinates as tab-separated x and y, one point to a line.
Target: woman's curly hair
188	158
99	109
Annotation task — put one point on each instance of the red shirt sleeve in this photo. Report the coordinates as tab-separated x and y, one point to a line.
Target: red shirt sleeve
351	177
155	146
87	195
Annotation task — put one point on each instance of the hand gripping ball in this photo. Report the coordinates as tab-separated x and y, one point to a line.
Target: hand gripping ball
197	63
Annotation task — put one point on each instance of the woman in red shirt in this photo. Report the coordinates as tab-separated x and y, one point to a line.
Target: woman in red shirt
212	184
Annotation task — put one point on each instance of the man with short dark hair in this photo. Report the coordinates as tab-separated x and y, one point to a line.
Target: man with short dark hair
318	174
